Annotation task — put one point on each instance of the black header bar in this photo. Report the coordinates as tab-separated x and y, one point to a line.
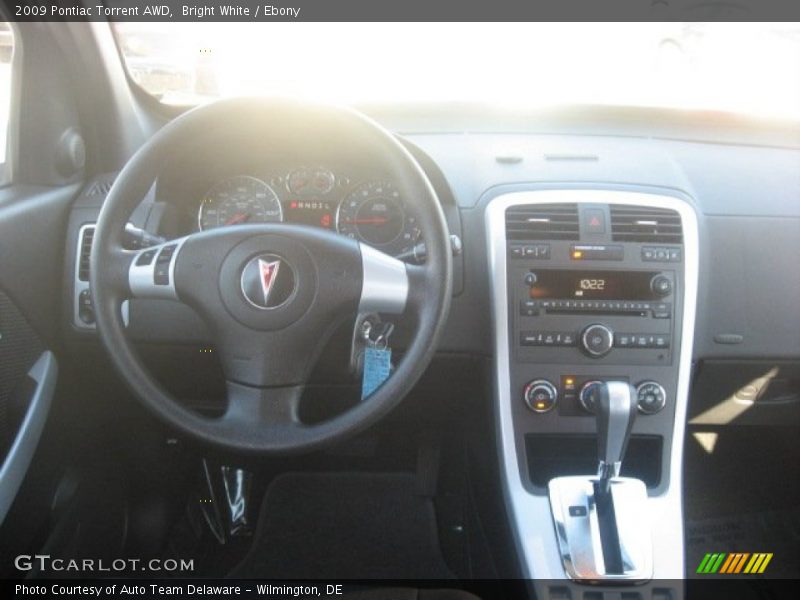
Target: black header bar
400	10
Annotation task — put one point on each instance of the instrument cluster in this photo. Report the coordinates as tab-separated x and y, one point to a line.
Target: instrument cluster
370	211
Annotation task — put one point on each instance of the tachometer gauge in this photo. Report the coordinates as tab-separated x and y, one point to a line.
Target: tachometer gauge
238	200
374	213
310	181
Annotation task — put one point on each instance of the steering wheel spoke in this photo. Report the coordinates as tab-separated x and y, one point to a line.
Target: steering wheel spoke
385	283
263	407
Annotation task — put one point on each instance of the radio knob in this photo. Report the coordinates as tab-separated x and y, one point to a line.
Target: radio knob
530	279
588	395
597	340
650	397
540	395
661	285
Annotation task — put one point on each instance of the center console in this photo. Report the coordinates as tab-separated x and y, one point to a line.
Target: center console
591	289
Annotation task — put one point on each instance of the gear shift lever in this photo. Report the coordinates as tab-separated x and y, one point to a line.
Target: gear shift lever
615	407
602	522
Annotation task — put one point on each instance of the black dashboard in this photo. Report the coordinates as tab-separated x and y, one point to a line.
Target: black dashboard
742	180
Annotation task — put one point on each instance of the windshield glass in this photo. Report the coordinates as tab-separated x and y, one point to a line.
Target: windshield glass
737	67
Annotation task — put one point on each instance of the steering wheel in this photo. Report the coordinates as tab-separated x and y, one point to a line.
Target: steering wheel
271	294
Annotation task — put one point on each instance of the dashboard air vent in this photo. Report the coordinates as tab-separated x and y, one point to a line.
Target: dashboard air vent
542	222
644	224
100	187
84	250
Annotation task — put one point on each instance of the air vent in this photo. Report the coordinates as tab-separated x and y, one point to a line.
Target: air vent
542	222
100	188
643	224
84	250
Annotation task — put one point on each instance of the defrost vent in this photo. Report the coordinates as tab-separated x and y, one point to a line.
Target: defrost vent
643	224
542	222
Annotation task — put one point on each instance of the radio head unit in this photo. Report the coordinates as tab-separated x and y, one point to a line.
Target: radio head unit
563	284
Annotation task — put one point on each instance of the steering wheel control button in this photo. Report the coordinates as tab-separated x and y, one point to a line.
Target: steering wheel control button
588	395
540	395
86	307
597	340
145	258
650	397
161	273
268	281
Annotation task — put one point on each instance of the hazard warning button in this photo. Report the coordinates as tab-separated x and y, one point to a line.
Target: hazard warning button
594	220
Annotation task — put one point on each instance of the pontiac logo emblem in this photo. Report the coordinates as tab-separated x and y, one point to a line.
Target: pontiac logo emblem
268	281
269	273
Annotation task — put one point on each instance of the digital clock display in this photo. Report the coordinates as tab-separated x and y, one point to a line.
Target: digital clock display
593	285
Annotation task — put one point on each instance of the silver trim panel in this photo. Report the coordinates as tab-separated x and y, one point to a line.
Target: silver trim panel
579	538
80	286
531	521
384	287
45	373
141	279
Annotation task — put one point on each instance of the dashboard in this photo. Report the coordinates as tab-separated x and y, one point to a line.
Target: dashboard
645	259
365	206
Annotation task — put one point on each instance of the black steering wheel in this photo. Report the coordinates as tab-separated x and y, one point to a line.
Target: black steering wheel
271	294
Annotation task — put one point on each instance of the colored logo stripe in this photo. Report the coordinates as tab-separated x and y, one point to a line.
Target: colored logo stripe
734	563
722	562
758	563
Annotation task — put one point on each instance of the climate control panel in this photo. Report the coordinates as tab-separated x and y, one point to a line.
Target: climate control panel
578	395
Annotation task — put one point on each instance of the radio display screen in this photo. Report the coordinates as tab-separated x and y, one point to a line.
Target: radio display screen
593	285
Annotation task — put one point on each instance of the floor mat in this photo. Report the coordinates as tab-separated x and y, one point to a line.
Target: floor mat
345	526
776	531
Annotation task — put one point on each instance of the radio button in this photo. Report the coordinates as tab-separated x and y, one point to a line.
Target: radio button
597	340
661	341
567	339
528	308
662	311
530	338
661	284
623	340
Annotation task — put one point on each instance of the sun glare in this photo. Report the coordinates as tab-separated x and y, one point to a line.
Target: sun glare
737	67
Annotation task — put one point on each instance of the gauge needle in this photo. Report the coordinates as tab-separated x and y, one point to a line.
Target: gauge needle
369	221
238	218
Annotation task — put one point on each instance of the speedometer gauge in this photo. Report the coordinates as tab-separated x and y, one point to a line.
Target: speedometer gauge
237	200
374	213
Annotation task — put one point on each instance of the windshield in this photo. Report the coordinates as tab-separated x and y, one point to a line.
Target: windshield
737	67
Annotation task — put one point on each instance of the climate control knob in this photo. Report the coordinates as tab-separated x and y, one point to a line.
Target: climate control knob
597	340
650	397
588	395
540	395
